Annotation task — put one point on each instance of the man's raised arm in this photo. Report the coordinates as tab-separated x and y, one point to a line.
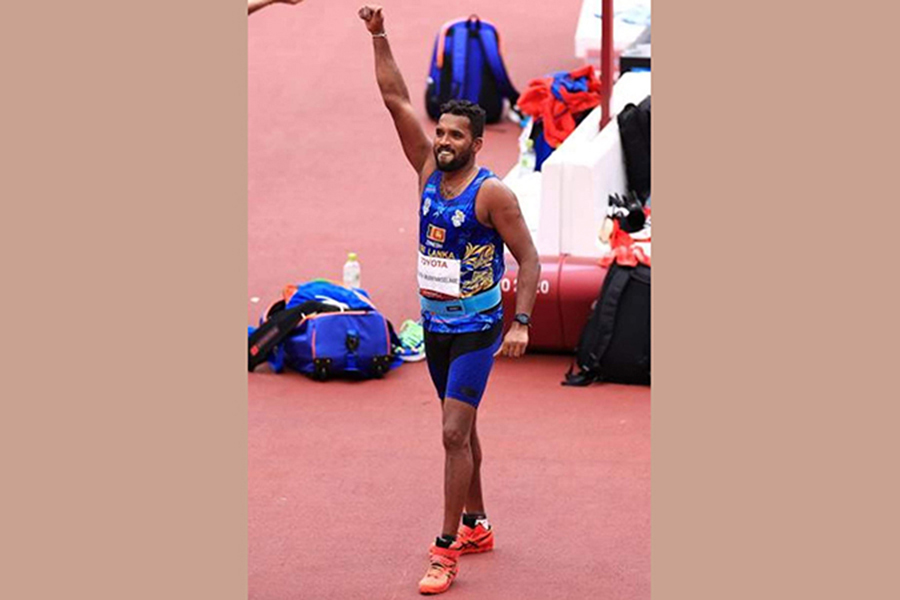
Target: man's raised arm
416	144
255	5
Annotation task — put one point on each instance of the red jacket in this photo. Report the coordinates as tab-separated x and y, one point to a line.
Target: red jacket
539	101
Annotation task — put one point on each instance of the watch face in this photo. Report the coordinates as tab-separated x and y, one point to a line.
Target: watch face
523	319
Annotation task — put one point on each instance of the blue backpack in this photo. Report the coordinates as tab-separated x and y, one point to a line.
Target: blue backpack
466	64
341	333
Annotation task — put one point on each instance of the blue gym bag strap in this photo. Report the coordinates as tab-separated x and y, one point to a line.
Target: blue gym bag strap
490	44
460	42
474	60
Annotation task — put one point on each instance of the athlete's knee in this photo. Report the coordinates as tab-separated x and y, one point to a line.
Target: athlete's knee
456	438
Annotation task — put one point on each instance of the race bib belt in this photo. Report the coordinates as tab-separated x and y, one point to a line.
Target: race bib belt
463	306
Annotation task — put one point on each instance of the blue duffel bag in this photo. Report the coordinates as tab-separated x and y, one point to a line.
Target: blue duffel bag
352	340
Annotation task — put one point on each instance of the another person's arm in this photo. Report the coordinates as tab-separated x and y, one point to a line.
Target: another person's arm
255	5
505	216
416	145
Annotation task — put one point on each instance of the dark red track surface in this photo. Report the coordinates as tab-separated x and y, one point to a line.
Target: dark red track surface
345	478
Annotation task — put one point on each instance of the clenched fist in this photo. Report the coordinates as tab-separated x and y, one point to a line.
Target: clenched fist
373	18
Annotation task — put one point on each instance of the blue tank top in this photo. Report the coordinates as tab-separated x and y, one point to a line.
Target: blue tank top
458	256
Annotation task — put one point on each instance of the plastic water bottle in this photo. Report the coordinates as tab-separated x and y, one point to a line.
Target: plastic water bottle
529	158
351	271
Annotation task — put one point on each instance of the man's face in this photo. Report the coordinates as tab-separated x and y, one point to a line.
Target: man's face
454	146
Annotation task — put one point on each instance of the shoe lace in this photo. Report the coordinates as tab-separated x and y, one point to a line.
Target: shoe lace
439	565
466	532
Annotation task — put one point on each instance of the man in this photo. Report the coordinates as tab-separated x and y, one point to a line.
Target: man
466	216
255	5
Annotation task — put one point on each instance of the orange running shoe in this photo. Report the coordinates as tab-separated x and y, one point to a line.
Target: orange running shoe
476	539
443	569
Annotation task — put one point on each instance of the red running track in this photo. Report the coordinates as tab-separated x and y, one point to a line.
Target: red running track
345	478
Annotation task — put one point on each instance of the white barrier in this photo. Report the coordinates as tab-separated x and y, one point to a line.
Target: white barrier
527	188
564	205
579	176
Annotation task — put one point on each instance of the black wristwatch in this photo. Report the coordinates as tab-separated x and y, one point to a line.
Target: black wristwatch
523	319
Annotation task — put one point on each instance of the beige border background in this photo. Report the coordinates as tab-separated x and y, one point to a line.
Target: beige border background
773	355
125	190
125	254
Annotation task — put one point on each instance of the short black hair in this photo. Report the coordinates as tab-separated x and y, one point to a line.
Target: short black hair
464	108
